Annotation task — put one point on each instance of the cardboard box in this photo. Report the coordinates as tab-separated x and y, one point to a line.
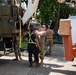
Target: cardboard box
65	27
7	27
6	10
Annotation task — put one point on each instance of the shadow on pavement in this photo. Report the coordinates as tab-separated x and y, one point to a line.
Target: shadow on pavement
50	69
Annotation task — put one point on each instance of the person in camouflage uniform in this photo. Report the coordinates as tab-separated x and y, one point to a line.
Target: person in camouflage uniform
49	40
16	47
41	39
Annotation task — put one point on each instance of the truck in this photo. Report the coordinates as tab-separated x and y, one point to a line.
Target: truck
14	14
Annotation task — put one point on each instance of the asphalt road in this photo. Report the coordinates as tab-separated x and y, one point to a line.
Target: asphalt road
54	64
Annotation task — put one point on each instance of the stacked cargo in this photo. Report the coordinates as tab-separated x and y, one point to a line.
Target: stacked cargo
5	14
9	23
8	17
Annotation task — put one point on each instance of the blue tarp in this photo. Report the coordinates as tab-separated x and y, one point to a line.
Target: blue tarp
4	2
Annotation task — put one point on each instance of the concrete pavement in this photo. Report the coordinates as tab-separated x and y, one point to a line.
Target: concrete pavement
54	64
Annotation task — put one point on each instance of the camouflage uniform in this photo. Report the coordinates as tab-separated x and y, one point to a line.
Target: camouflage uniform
49	41
42	34
42	46
17	48
48	45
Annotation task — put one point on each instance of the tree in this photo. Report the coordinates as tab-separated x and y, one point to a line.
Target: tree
47	11
66	11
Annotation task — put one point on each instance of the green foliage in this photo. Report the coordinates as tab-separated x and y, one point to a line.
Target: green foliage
66	11
47	10
72	11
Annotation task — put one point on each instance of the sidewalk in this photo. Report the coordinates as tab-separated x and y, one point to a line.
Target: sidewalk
54	64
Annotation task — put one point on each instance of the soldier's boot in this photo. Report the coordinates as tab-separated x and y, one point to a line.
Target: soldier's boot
37	64
16	59
20	58
30	64
41	61
16	55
